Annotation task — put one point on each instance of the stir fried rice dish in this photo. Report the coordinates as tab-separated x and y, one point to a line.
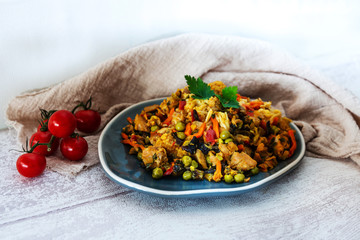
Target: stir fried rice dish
209	132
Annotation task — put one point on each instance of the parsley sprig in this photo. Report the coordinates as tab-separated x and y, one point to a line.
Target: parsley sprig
200	89
203	91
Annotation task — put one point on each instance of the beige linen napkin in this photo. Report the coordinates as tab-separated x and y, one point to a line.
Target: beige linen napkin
327	115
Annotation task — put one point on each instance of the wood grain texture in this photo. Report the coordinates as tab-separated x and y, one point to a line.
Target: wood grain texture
318	200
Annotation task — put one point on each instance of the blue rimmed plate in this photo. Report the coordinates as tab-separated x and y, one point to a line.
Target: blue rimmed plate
125	169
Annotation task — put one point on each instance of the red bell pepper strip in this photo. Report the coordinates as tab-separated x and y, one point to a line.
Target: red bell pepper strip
169	118
182	105
210	136
275	121
293	142
249	110
263	124
240	147
192	115
170	170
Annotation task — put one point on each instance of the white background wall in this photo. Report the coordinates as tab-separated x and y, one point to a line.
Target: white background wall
44	42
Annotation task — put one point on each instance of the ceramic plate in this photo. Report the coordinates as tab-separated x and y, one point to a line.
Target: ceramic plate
125	169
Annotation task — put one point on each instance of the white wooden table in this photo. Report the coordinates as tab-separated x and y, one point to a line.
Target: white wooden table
318	200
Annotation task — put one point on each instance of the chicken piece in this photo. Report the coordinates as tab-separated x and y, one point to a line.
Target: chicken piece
213	159
154	120
214	104
228	149
140	124
268	164
278	148
167	142
223	120
178	116
261	148
199	156
242	161
242	138
151	108
155	156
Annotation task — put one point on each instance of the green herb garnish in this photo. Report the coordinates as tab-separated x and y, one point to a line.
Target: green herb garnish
200	89
228	97
203	91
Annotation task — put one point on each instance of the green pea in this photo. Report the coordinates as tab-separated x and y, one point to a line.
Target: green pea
186	161
139	155
187	175
255	171
239	177
194	164
181	135
180	126
225	134
228	178
154	128
228	140
157	173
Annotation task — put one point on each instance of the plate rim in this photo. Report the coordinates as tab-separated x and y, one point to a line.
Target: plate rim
142	188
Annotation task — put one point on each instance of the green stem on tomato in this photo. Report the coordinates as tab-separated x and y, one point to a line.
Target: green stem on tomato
46	114
35	145
52	139
86	106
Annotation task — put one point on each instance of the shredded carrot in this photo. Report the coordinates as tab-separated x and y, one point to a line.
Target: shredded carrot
169	118
133	143
217	175
293	142
124	136
129	119
188	129
216	127
255	105
201	130
238	97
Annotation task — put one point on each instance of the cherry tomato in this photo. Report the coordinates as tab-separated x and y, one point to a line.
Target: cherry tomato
43	137
87	121
62	123
31	164
74	148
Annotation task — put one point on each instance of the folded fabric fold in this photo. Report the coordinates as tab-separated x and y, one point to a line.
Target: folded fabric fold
327	115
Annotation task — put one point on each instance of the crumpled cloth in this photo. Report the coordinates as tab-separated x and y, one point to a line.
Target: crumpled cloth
327	115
